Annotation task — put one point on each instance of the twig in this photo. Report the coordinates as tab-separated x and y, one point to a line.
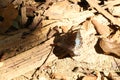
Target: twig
111	3
104	12
116	63
25	77
41	64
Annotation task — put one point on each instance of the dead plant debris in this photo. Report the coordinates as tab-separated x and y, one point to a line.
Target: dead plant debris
84	34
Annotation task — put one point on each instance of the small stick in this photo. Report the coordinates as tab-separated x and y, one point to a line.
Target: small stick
111	3
104	12
42	63
116	63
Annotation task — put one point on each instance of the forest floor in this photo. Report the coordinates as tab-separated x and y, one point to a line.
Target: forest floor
78	27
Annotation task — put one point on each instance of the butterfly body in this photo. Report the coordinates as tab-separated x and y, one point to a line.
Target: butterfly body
70	42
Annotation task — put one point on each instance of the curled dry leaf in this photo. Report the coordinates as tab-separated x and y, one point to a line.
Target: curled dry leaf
111	44
108	43
8	14
103	30
113	76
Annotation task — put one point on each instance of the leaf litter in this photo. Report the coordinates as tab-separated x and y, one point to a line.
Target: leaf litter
96	21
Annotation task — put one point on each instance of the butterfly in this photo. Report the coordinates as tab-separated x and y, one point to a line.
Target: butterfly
70	42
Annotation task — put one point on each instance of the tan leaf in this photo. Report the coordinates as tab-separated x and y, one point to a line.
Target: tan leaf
90	77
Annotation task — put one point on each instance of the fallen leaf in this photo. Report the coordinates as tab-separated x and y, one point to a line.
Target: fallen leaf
58	76
9	14
100	28
90	77
4	3
111	44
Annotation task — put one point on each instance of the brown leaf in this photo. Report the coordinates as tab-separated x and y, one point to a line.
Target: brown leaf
4	3
9	14
58	76
111	44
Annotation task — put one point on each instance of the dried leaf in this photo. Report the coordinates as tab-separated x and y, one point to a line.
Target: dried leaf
101	29
111	44
61	10
58	76
4	3
9	14
104	12
65	29
90	77
114	76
